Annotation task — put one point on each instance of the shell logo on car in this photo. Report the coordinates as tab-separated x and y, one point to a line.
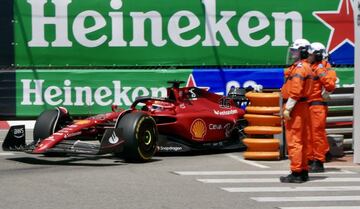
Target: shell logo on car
198	129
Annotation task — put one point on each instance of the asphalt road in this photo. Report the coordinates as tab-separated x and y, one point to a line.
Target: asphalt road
176	182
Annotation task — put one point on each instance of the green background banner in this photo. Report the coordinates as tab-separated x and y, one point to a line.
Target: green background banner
162	32
85	92
88	91
345	77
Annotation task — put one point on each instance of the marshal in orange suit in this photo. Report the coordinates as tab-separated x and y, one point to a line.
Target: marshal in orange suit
296	90
324	83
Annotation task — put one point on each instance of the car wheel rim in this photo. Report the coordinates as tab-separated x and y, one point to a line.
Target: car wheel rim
147	140
147	137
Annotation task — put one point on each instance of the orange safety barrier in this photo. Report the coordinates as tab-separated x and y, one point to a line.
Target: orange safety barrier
262	110
264	122
264	99
262	155
268	130
263	145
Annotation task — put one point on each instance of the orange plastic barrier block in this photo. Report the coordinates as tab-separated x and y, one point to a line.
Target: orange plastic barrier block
261	155
262	130
263	120
262	145
263	99
262	110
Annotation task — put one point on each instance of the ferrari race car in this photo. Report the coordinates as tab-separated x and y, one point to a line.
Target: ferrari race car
187	119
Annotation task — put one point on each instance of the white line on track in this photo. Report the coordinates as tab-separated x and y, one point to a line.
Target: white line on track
343	166
6	153
235	173
273	162
274	180
291	189
252	163
323	207
306	199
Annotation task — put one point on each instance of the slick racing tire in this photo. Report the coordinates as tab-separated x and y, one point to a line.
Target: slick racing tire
140	134
48	123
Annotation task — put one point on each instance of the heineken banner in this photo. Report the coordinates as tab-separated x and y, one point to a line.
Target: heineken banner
94	91
26	93
177	32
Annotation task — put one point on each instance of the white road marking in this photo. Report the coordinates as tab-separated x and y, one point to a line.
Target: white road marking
323	207
343	166
235	173
6	153
274	162
291	189
274	180
252	163
306	199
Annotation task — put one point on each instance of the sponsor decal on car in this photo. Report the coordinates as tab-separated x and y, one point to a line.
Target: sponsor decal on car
225	112
228	129
198	129
82	122
113	139
224	102
219	126
19	133
173	149
72	134
215	127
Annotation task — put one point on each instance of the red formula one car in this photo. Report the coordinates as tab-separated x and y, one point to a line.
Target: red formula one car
187	119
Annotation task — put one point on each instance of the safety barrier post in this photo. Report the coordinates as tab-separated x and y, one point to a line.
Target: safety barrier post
263	115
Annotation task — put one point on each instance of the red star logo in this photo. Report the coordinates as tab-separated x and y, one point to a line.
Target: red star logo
192	83
341	24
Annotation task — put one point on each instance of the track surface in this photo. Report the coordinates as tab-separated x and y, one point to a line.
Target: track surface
204	181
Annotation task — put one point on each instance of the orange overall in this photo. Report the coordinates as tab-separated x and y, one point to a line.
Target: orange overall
324	78
298	86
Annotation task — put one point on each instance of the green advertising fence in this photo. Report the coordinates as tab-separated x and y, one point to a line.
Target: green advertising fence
93	91
85	91
59	48
162	32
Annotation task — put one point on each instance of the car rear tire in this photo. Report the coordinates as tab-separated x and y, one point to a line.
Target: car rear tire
48	122
140	134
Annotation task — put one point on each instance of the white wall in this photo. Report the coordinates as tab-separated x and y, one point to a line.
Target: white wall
356	134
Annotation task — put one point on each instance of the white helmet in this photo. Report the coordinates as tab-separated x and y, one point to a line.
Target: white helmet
298	50
317	47
300	43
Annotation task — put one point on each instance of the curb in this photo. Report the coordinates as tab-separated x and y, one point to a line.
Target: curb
29	124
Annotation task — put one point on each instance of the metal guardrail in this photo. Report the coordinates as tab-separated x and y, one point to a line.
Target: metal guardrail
341	96
339	130
341	108
348	142
340	119
341	111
